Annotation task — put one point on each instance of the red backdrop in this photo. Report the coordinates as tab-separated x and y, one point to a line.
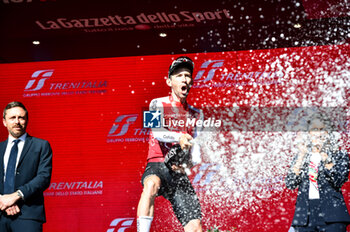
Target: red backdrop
81	107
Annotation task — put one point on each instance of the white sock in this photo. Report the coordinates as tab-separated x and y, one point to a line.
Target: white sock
144	223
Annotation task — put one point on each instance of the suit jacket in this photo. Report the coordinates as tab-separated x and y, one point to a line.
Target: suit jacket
33	176
329	181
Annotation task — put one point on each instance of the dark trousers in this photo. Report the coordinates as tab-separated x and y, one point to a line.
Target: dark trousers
316	221
10	224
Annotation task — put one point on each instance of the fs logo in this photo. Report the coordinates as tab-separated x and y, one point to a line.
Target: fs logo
120	224
121	124
205	174
40	77
152	119
211	66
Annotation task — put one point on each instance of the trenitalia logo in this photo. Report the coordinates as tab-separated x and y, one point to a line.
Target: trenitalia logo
39	85
120	224
75	188
213	73
121	124
206	172
209	68
124	130
208	176
38	77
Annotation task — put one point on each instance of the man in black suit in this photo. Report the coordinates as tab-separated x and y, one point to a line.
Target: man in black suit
319	170
25	173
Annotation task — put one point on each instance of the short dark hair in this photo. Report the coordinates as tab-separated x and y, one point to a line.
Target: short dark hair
12	105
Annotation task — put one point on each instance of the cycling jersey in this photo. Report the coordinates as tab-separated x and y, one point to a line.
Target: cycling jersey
177	119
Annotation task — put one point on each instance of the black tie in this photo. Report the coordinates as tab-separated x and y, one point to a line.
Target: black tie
9	186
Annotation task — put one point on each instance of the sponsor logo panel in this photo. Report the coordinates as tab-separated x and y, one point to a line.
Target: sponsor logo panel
43	83
75	188
208	69
39	77
125	129
142	21
207	177
214	73
120	224
121	124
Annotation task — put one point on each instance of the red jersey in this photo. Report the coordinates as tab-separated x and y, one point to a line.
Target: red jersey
177	119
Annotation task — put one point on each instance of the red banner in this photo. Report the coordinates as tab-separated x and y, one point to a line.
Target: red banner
91	112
